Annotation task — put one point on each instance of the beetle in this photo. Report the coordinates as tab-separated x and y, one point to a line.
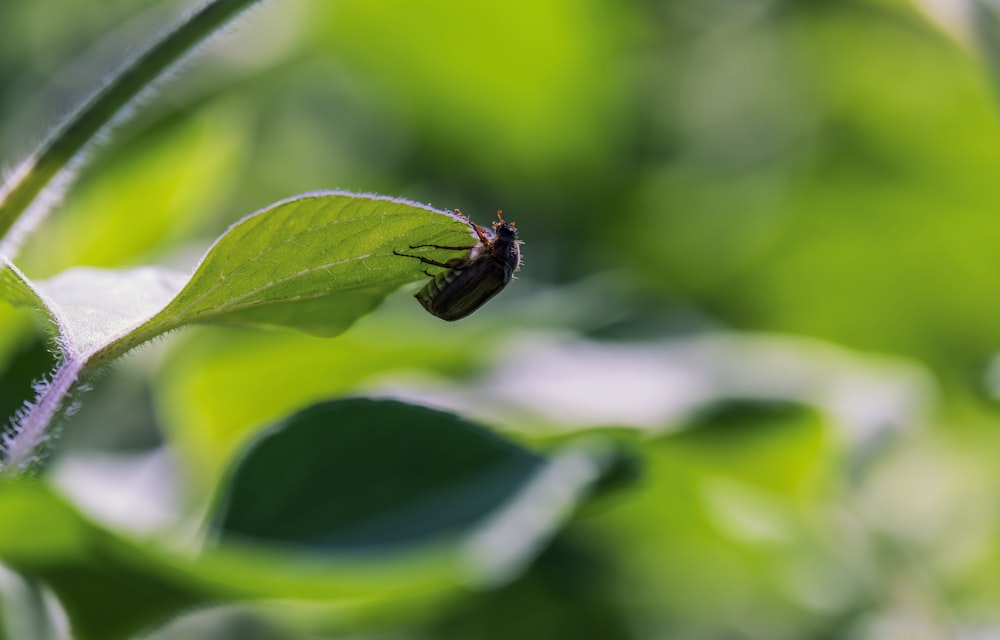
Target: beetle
471	281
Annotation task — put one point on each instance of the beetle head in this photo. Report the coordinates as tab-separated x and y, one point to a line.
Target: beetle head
504	229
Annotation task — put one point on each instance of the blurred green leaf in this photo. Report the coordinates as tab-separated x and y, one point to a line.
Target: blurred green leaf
877	193
731	508
19	291
369	476
350	506
561	84
24	612
778	446
108	588
985	22
569	592
32	186
25	357
15	327
216	386
177	177
362	474
111	587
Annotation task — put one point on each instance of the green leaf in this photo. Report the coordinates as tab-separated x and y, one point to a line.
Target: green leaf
19	291
24	610
367	476
315	263
436	504
217	387
370	474
108	588
986	27
728	508
779	445
309	258
112	588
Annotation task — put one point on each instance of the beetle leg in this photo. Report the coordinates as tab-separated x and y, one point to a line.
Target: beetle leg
427	260
441	246
484	234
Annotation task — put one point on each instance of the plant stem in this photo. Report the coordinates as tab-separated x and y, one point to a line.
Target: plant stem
50	168
35	183
32	425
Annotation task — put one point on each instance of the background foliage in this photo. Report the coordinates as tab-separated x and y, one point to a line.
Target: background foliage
760	247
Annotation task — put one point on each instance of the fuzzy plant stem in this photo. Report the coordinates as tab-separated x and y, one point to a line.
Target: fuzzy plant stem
36	184
32	423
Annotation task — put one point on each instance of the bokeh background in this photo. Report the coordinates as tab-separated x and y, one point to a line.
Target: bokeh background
761	237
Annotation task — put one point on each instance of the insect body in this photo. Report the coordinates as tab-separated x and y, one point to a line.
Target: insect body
469	282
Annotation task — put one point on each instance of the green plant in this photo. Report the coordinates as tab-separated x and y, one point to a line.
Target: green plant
760	254
353	505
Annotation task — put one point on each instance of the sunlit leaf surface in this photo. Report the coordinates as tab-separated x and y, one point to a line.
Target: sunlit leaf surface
313	263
